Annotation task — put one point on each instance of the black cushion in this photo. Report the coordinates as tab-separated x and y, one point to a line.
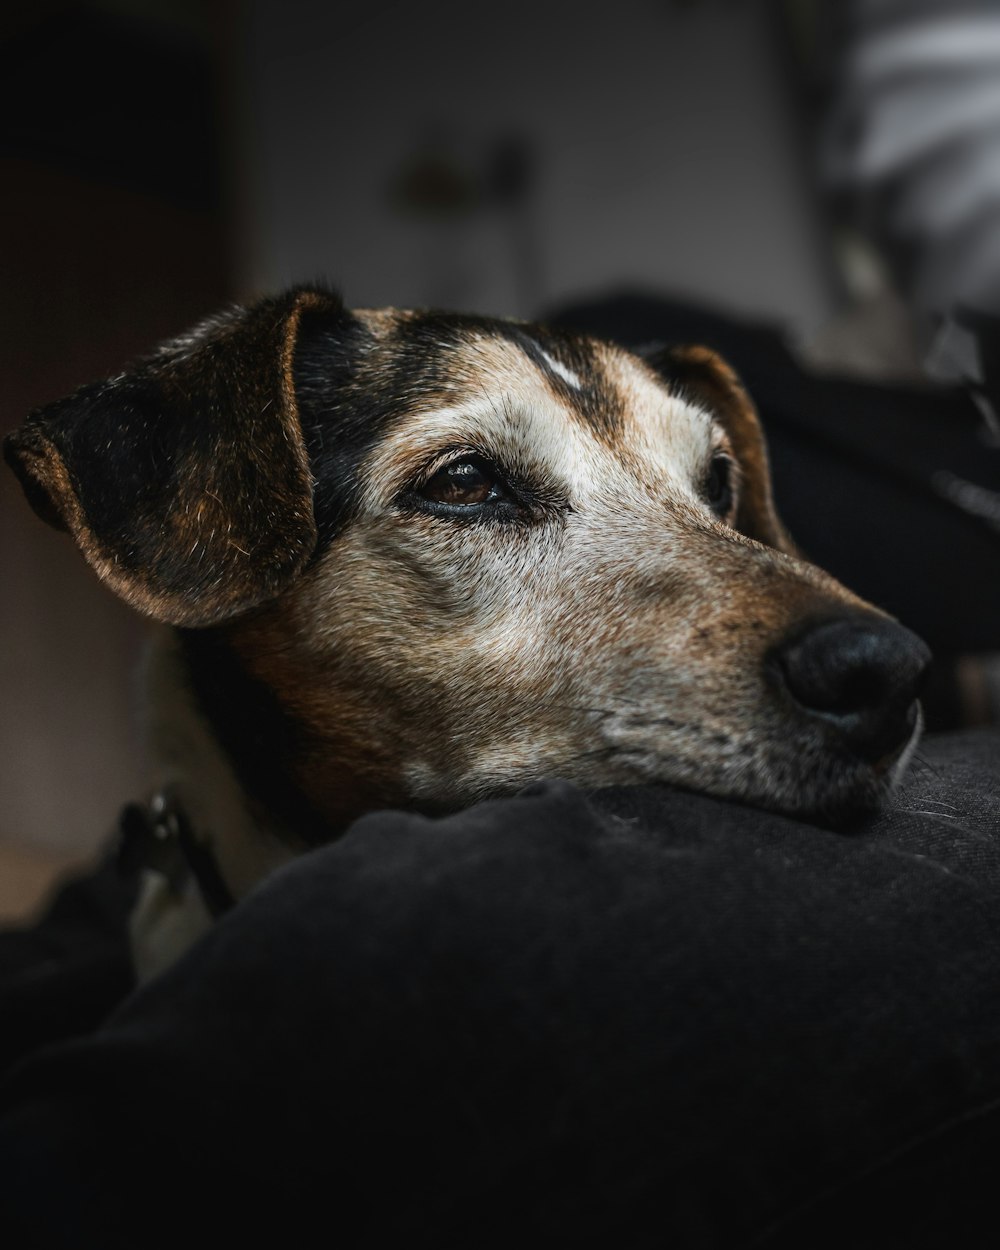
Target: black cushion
639	1018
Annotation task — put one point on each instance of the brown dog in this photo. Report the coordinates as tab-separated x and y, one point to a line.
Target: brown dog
416	559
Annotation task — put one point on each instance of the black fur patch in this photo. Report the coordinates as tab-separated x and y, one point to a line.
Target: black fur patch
260	737
341	418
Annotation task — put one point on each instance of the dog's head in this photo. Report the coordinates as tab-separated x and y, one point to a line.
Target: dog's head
419	558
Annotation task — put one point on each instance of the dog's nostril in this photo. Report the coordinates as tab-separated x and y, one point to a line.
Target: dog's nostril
861	675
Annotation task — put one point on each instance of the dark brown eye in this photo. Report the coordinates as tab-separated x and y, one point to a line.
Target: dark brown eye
461	484
719	486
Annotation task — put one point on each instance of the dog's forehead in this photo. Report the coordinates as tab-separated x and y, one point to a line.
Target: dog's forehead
571	403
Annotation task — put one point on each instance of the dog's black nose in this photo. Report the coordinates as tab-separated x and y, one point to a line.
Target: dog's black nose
861	675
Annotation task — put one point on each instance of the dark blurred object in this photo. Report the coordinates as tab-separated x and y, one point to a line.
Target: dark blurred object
511	169
967	347
443	179
511	176
62	977
884	486
436	181
97	94
912	153
450	179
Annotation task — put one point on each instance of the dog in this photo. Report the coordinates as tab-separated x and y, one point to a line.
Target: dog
414	559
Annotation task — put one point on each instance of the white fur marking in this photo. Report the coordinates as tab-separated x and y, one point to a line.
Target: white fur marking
560	370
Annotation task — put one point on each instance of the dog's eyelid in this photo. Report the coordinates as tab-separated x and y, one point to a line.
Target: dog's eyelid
418	480
725	456
721	441
721	448
517	480
515	496
456	455
457	471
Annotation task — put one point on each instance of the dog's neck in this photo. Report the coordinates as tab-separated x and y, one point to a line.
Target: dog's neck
190	765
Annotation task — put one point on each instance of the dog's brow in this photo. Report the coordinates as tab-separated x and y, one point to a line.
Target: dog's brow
545	361
582	384
567	375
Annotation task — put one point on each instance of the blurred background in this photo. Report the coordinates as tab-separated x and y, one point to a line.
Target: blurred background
161	157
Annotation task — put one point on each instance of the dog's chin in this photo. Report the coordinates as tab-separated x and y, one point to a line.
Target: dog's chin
844	792
807	777
845	801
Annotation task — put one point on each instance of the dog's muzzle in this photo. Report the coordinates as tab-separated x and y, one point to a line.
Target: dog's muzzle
857	678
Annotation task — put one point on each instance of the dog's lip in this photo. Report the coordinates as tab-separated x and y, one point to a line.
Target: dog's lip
825	781
882	766
884	775
885	763
901	759
835	743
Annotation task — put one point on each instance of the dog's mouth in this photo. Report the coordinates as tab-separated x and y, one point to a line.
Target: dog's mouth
859	782
860	787
894	762
798	766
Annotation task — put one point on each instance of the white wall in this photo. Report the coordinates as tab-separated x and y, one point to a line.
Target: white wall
665	153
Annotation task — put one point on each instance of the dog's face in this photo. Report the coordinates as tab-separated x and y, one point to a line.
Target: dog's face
419	559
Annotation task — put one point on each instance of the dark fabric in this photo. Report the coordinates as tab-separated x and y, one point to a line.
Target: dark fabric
65	975
646	1018
868	478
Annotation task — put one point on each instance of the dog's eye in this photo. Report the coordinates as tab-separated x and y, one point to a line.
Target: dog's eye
719	486
462	484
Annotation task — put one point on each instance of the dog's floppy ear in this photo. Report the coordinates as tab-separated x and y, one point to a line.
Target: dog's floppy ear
704	376
185	480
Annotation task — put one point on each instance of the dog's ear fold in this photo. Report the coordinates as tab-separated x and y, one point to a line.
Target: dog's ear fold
703	375
185	481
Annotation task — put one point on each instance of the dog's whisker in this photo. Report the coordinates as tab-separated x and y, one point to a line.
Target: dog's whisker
925	763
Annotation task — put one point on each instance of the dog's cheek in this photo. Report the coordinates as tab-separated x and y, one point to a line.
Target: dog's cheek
450	644
377	621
